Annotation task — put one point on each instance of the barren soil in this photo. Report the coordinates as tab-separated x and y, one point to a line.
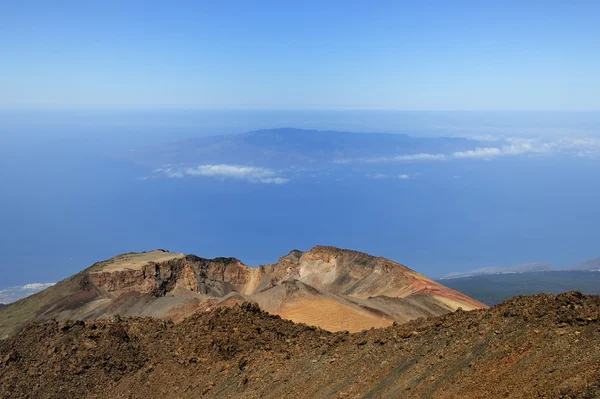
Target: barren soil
542	346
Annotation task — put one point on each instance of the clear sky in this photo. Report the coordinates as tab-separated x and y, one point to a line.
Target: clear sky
422	55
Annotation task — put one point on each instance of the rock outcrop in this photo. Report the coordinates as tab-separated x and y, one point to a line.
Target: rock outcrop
332	288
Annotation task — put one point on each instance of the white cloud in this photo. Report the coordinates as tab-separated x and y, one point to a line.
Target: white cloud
36	286
513	146
486	153
399	158
380	176
503	146
479	152
249	173
274	180
342	161
420	157
12	294
583	147
377	176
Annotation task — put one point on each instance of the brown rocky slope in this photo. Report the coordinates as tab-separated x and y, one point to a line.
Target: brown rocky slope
335	289
543	346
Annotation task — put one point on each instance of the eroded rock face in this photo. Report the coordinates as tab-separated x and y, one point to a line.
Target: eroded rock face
154	278
336	289
340	289
215	277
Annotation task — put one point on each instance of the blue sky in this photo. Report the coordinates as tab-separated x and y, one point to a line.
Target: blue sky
446	55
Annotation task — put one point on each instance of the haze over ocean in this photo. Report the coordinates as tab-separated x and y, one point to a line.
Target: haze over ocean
69	200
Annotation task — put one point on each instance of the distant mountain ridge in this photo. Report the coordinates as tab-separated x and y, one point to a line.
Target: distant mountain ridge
589	265
492	289
287	147
492	285
522	268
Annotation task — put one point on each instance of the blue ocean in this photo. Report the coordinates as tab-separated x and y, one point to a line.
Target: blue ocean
69	198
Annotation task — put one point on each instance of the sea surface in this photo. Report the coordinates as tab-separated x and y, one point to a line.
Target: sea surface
67	201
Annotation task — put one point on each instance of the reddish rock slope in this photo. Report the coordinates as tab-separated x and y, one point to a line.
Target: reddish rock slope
335	289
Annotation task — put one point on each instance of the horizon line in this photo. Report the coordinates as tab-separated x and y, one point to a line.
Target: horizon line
298	109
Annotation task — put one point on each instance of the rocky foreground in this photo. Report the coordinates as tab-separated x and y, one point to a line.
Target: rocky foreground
541	346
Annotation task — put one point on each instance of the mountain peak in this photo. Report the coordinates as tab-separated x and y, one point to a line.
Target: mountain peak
333	288
332	252
293	254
